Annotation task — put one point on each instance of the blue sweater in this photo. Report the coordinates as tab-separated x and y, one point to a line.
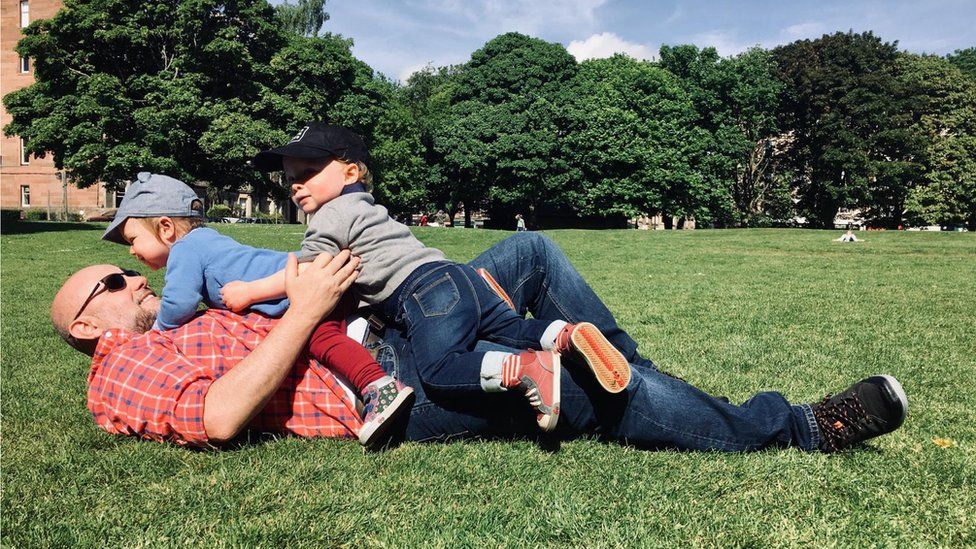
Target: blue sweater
201	263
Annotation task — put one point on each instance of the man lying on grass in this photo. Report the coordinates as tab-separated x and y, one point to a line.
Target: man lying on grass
223	373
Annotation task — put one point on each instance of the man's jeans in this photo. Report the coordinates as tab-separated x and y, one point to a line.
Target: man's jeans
445	309
655	411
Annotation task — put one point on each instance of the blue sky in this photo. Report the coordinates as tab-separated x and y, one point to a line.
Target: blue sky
397	38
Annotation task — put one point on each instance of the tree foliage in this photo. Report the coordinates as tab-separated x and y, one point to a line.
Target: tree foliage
944	120
195	88
304	18
192	89
836	101
500	142
630	136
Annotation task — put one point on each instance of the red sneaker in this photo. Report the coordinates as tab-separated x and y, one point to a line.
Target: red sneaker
537	373
496	287
586	341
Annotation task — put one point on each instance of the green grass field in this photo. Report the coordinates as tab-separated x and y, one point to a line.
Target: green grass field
732	311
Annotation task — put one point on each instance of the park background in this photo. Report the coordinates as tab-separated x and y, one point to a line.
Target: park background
768	137
780	136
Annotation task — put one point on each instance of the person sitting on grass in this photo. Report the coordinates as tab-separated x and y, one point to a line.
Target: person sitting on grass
225	373
161	221
848	236
445	307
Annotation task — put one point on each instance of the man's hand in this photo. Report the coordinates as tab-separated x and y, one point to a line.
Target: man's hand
242	392
236	295
315	290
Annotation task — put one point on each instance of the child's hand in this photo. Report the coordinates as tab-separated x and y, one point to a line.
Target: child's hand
236	296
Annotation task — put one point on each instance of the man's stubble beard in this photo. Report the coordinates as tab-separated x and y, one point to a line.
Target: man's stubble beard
143	322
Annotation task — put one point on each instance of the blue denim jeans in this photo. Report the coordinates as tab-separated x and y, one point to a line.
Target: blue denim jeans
656	410
445	308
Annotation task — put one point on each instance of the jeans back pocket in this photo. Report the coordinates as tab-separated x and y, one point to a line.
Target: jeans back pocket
438	297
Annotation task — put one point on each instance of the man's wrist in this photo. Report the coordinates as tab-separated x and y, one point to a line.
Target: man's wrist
301	318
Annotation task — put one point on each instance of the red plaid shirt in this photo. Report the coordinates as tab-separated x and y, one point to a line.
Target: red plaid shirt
153	385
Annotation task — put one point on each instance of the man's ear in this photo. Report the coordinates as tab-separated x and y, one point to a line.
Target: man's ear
84	328
350	174
166	230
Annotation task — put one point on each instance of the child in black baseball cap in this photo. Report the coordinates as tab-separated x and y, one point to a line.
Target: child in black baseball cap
443	307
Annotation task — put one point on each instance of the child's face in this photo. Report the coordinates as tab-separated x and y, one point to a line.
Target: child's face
144	244
316	181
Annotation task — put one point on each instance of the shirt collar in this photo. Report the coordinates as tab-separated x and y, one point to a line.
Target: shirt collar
356	187
106	344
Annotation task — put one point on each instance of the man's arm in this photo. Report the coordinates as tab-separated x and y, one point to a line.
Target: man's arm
236	397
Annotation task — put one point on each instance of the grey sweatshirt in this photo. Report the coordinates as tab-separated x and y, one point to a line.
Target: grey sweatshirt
387	250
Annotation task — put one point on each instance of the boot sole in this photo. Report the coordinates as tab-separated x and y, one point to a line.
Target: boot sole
548	422
897	392
373	436
609	366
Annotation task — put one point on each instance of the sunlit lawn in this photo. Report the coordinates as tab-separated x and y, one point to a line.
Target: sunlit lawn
732	311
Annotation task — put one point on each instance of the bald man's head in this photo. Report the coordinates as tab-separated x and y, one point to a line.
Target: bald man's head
132	307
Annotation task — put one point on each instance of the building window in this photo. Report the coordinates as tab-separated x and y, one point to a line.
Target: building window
24	196
24	13
25	64
24	157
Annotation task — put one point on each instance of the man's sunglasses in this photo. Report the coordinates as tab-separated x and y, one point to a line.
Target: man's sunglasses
109	283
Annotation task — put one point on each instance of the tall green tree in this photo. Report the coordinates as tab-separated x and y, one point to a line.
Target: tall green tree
192	89
397	154
170	87
746	133
427	96
849	138
501	142
735	100
629	140
943	102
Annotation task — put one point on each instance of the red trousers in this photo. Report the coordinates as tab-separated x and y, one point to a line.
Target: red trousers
335	350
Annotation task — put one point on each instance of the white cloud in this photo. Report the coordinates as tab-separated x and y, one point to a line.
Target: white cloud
605	45
810	29
725	42
407	71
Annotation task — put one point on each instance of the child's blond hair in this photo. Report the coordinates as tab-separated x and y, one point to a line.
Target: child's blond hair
365	176
183	224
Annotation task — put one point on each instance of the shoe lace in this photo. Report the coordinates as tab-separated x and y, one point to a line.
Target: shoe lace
535	399
840	421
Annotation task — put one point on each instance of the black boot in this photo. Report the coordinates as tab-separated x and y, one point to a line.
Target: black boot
869	408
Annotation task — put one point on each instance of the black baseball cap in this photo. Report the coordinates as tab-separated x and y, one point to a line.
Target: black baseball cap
316	140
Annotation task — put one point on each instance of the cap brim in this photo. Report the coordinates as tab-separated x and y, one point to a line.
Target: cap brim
270	160
114	231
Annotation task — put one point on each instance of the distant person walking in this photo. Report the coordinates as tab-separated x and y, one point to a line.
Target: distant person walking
519	224
423	219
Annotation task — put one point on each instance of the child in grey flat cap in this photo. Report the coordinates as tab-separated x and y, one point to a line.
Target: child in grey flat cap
161	220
